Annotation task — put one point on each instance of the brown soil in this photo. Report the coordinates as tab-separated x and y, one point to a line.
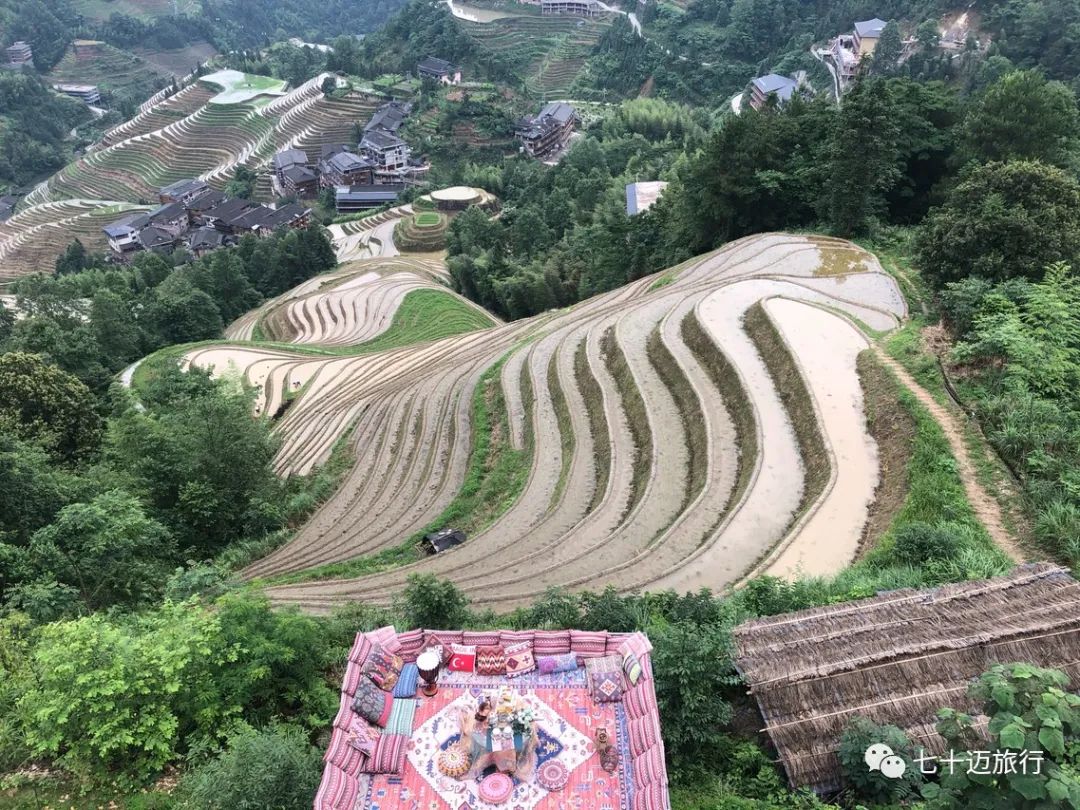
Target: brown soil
893	430
986	508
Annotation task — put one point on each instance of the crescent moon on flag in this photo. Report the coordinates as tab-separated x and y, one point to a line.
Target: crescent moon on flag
455	662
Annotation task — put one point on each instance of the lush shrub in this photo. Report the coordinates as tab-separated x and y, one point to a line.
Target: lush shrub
918	543
428	601
862	733
271	769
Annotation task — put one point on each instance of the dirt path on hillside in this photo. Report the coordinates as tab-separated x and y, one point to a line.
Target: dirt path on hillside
986	508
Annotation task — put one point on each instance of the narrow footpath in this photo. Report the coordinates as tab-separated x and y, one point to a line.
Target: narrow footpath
985	506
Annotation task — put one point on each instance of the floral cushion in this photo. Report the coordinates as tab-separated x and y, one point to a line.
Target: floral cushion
490	660
519	659
462	658
566	662
605	678
363	736
372	703
383	667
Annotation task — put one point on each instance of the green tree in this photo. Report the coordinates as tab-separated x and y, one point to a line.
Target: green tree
1000	221
434	603
42	403
1030	710
202	463
181	313
863	159
108	549
113	324
73	260
1022	116
888	50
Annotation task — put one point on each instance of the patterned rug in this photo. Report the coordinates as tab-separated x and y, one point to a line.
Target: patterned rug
566	718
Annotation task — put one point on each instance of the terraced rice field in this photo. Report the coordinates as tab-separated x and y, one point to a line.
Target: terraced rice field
184	135
549	52
677	435
424	232
32	239
120	73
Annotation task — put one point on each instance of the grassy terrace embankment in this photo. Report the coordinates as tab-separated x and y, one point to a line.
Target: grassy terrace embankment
496	475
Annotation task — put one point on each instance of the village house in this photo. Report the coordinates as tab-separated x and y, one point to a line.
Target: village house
388	152
205	239
20	55
201	218
849	49
350	199
293	174
782	88
344	168
549	131
182	191
87	93
171	217
123	234
7	206
389	117
438	70
641	196
575	8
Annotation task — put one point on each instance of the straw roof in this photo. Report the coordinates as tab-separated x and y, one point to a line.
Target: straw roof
899	657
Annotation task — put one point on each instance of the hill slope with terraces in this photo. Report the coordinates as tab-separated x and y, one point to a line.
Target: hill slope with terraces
683	431
205	130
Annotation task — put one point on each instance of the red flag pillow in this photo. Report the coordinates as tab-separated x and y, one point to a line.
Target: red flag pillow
462	658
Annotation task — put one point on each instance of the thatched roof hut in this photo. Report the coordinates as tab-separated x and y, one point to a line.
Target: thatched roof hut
899	657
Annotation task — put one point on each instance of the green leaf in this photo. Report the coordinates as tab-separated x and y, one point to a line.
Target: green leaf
1057	789
1028	786
1053	741
1012	736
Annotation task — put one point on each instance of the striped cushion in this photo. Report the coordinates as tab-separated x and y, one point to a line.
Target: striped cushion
631	668
345	713
480	638
649	767
637	643
411	643
401	717
337	791
360	649
406	685
588	645
653	797
508	637
643	735
490	660
551	642
387	637
343	755
636	702
353	673
389	756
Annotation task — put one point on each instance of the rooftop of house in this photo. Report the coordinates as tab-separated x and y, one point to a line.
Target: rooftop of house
207	200
560	111
299	174
152	236
898	658
433	64
870	28
344	162
250	219
183	187
126	224
389	117
330	149
290	157
75	88
782	86
380	140
386	191
285	215
641	196
206	238
167	213
229	209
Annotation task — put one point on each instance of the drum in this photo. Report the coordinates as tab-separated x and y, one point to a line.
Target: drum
427	663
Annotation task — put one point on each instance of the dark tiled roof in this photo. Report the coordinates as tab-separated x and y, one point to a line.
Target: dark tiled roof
331	149
151	237
229	209
285	215
379	140
183	187
299	174
124	225
433	64
250	219
167	213
347	162
389	191
207	200
290	157
206	239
